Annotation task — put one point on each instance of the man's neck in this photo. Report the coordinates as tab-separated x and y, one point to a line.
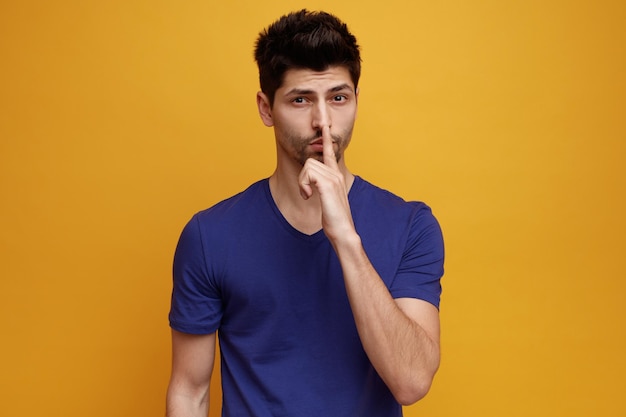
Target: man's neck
303	215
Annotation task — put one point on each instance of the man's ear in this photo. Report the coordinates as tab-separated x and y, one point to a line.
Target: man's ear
265	110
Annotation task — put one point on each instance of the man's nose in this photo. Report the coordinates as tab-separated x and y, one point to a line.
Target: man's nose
321	116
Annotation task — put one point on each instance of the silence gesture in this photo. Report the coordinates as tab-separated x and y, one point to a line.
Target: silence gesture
326	179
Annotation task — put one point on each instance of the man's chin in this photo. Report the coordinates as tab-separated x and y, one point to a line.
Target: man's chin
318	156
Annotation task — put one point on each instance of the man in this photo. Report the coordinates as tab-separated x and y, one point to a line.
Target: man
324	289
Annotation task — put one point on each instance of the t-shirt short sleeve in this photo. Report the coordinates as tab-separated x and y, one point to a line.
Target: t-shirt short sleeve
196	307
421	266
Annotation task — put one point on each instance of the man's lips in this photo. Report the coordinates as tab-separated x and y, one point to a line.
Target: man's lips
320	141
317	145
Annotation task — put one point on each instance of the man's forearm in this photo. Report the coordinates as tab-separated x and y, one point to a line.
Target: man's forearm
403	353
182	405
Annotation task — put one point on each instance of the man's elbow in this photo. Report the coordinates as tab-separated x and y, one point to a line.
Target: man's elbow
412	392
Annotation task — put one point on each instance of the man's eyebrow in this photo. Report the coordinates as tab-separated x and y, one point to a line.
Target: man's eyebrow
305	91
340	87
298	92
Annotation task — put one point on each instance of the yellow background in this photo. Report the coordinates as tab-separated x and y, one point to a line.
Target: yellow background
120	119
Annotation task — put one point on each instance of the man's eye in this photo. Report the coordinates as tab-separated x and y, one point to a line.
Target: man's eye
298	100
339	99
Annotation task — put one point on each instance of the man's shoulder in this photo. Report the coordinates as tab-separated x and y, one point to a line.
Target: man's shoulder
373	197
236	205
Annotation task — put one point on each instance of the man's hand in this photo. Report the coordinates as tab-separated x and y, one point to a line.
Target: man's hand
326	179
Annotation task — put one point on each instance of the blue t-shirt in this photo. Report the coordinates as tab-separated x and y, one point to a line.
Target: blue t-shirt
288	341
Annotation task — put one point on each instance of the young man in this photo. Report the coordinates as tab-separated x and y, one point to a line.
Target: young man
324	288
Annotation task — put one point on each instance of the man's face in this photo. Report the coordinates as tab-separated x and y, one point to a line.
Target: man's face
307	101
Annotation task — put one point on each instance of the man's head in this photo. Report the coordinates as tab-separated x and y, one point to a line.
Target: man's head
304	40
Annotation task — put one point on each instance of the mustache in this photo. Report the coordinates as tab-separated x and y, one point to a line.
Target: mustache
318	135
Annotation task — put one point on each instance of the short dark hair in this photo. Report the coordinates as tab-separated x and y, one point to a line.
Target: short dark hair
304	39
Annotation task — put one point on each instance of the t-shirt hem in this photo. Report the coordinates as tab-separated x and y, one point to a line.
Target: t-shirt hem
192	329
430	298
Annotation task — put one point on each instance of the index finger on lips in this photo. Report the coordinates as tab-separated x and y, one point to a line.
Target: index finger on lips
329	152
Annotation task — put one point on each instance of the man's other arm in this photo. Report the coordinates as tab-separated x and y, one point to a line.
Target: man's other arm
192	365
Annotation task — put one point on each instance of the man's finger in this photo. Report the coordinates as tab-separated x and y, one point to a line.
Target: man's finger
329	151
